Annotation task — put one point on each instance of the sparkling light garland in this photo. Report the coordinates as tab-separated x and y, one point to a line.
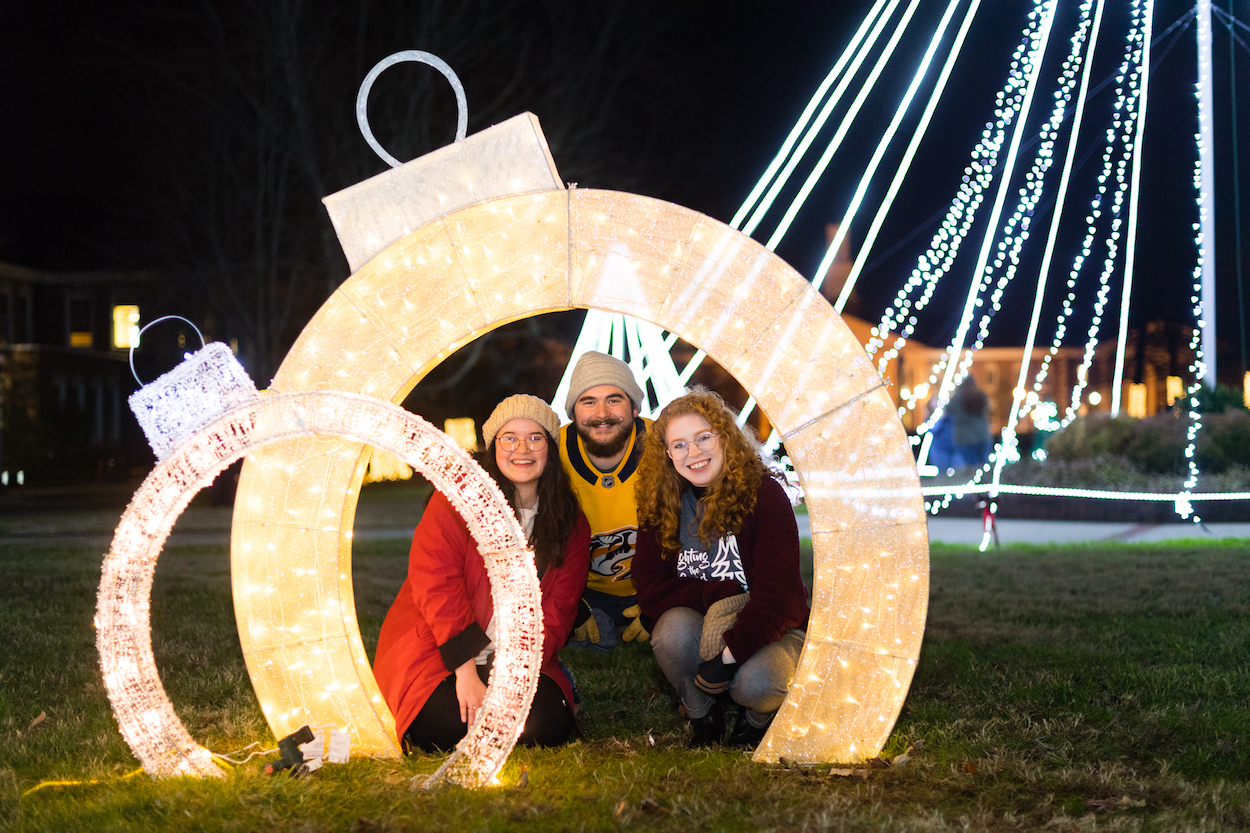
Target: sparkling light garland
946	242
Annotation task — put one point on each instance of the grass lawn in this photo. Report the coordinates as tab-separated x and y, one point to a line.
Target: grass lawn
1066	688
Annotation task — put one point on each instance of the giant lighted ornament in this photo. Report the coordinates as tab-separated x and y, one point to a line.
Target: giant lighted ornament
494	238
202	416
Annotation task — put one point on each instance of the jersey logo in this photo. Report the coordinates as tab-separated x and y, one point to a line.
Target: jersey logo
610	553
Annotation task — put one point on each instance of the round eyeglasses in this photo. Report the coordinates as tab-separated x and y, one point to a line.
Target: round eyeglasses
705	442
510	442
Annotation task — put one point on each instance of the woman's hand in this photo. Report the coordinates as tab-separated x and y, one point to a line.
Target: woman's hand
470	691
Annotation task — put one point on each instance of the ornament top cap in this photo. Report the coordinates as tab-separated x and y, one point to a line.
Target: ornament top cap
204	386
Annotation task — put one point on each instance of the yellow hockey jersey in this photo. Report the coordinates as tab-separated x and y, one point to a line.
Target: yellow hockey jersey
607	498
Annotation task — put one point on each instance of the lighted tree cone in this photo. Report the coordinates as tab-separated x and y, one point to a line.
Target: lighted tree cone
310	625
467	272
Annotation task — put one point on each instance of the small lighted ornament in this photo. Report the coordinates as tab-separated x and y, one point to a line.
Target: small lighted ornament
456	243
202	416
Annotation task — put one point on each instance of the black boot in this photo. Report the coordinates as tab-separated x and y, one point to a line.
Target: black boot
709	730
745	735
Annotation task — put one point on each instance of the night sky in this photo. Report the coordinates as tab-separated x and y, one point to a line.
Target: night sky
706	92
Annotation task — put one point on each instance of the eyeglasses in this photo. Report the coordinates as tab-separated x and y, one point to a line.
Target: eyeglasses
533	442
680	450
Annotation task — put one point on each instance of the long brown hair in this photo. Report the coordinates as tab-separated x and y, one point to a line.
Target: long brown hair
729	497
557	505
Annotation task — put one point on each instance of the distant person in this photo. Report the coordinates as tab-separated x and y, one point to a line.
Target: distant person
437	641
717	570
600	451
961	437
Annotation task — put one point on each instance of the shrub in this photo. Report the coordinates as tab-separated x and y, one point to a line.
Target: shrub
1155	445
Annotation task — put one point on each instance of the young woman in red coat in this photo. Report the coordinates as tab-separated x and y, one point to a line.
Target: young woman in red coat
437	640
717	534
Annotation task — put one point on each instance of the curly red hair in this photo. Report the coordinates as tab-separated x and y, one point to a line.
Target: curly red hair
729	497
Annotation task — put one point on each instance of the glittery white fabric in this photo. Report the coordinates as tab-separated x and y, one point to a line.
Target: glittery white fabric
176	405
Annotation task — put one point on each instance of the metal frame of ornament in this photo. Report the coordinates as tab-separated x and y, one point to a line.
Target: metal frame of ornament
476	268
144	713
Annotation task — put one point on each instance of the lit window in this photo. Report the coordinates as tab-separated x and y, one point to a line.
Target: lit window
1175	391
1137	400
125	326
463	431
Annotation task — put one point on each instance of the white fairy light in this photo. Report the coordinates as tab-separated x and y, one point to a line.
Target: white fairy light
946	242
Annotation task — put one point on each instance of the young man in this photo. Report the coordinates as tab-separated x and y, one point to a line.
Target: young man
600	451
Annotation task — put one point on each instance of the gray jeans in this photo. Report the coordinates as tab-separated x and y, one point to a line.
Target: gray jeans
760	684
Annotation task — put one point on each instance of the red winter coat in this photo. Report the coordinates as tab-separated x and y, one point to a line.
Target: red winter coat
768	544
445	604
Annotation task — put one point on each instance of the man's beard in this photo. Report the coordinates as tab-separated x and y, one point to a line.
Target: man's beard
611	447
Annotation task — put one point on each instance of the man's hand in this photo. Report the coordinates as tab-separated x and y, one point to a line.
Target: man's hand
635	631
585	629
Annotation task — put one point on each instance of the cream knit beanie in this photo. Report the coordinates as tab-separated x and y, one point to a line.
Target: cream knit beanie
520	405
594	369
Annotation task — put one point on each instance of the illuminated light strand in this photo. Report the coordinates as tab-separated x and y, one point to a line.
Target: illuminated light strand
1092	218
1126	122
950	377
1201	339
1057	491
836	142
946	365
1016	231
946	242
1184	504
1133	57
918	135
917	78
1130	253
1008	440
851	49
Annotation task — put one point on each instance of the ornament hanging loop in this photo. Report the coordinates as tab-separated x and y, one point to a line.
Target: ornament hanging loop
144	329
417	56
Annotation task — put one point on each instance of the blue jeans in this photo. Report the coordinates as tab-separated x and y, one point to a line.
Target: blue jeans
760	684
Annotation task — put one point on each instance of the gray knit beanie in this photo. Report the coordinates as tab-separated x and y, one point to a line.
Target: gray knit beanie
594	369
517	406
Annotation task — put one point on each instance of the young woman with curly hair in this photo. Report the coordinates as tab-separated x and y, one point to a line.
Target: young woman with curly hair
717	535
437	640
